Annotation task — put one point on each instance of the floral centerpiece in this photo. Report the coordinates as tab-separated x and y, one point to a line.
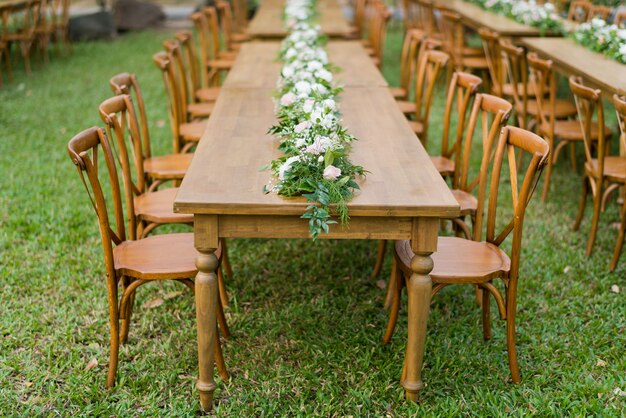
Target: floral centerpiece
542	16
598	36
314	142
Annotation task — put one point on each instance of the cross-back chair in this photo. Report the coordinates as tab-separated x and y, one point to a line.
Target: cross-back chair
603	173
598	11
427	18
130	263
359	19
578	11
185	134
232	38
157	169
479	262
193	108
408	59
620	109
198	87
240	15
517	72
558	132
18	26
493	55
462	57
377	31
215	62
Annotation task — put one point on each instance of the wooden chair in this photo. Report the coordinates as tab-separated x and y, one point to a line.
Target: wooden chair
578	11
603	173
597	11
517	73
193	108
359	19
151	208
377	32
18	27
215	62
427	19
241	12
557	131
620	108
620	20
408	59
60	11
463	58
185	134
495	63
198	87
130	263
429	65
232	38
478	262
157	169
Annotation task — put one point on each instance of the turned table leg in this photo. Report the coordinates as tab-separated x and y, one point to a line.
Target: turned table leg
206	305
419	287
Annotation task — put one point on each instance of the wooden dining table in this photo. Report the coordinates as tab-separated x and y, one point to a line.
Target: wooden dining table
267	22
403	196
571	58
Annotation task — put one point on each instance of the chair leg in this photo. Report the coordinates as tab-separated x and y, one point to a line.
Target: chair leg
546	178
582	204
391	286
572	154
486	302
115	342
380	258
226	260
219	359
221	286
126	315
511	306
221	320
395	304
597	201
620	241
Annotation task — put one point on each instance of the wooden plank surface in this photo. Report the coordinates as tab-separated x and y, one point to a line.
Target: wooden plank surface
224	176
268	20
574	59
257	67
475	17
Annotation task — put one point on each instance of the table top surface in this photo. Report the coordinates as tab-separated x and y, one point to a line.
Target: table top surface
224	176
475	17
257	66
268	20
573	58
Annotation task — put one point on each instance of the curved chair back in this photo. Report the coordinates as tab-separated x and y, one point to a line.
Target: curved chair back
163	62
578	11
429	66
543	84
516	69
493	54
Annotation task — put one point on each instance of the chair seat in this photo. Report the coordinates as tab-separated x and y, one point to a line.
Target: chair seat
614	168
158	207
208	94
221	64
170	256
406	107
562	108
474	63
470	51
171	166
398	92
200	110
459	260
467	201
228	55
507	90
571	130
444	165
417	126
192	131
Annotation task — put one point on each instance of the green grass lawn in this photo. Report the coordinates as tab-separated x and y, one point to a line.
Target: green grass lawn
306	317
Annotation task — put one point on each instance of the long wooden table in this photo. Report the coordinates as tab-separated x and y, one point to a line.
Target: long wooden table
268	20
572	58
402	198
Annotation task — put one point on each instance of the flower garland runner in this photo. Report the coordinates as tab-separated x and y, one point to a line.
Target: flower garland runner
598	36
542	16
316	146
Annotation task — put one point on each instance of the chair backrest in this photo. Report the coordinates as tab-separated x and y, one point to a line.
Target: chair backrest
408	58
493	54
83	150
620	19
377	28
127	83
463	88
122	129
411	14
240	15
588	102
492	113
452	32
543	85
430	62
511	142
426	16
163	62
19	19
516	69
185	91
225	15
578	11
620	109
360	8
597	11
190	60
205	23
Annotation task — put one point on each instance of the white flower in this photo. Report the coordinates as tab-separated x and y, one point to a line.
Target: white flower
314	66
328	120
287	166
303	88
288	99
316	116
325	75
330	104
308	105
302	126
288	71
331	172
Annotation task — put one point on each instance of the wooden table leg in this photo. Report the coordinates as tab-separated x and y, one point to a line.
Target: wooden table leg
419	287
205	228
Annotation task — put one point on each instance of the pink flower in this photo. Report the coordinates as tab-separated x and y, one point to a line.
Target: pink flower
331	172
315	148
302	126
287	99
